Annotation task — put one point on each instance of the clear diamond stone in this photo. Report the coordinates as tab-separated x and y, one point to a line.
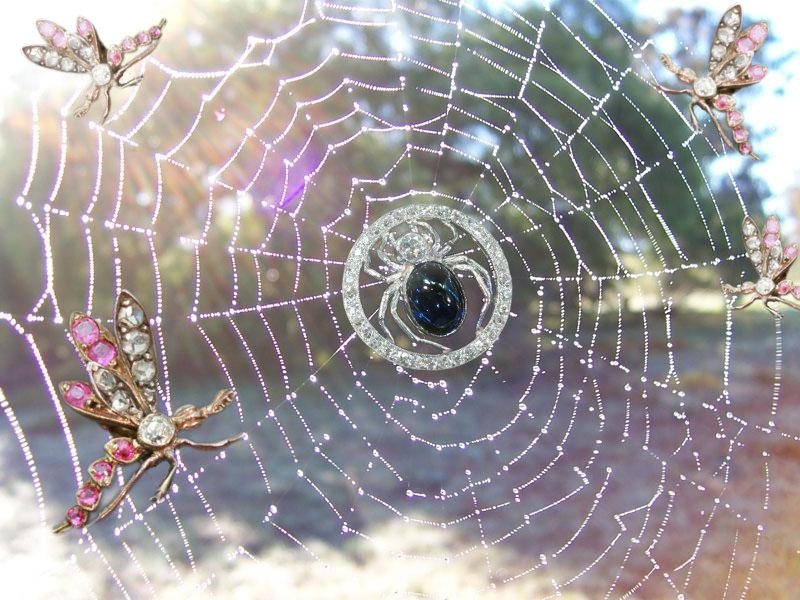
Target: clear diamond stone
135	343
756	257
75	42
728	73
87	53
143	370
731	19
753	243
67	64
765	286
105	380
121	402
156	430
717	51
51	58
131	315
36	54
705	87
725	35
749	229
413	246
742	60
101	74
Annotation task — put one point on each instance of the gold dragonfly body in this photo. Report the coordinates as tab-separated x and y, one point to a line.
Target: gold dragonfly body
121	397
772	261
730	68
84	52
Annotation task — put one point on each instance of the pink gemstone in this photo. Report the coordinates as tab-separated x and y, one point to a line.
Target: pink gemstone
756	72
758	32
101	471
773	225
46	28
88	495
102	352
746	148
84	27
723	102
143	38
128	44
740	135
114	56
155	32
59	39
77	394
76	516
124	450
734	118
85	331
790	252
784	287
745	44
770	240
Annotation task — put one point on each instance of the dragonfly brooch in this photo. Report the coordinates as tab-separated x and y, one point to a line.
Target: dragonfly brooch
83	52
772	262
121	397
730	68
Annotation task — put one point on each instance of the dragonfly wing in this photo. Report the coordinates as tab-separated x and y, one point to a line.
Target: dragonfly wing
81	398
50	58
135	339
100	351
91	46
725	36
753	244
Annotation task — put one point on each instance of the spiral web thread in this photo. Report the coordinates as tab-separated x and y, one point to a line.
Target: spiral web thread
592	433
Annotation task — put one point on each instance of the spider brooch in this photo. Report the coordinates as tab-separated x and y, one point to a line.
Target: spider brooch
422	273
121	397
83	52
729	69
772	262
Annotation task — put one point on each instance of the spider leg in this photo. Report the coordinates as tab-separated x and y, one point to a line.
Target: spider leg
385	299
716	122
766	302
92	91
408	331
167	482
481	275
209	445
381	252
745	305
731	289
150	461
376	274
784	301
668	90
130	83
107	90
693	115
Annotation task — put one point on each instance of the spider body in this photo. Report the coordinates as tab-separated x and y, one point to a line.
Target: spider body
422	273
435	298
84	52
730	68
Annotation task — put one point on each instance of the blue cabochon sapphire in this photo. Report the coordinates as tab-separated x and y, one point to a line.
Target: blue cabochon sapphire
435	299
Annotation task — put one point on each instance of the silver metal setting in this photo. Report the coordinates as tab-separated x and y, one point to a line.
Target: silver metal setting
359	258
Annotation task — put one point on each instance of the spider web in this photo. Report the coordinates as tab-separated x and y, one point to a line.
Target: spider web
603	447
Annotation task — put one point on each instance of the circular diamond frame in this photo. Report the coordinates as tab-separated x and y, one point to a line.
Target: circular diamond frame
501	298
